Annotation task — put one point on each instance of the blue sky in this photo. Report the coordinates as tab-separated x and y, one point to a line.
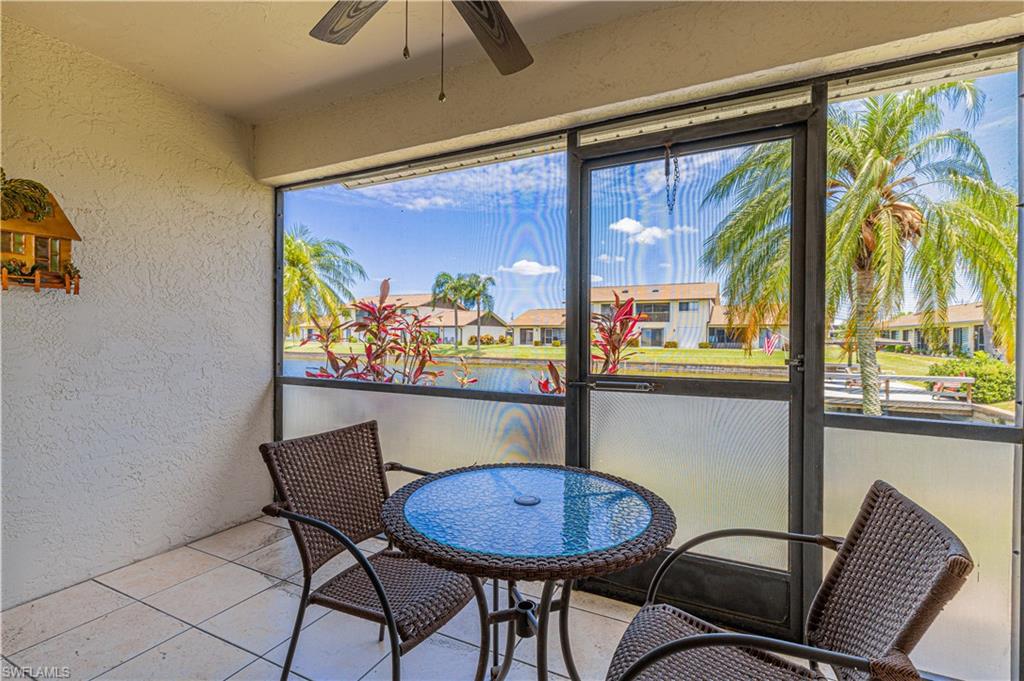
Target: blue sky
508	219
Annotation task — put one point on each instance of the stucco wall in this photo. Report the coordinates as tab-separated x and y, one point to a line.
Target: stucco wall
131	413
685	52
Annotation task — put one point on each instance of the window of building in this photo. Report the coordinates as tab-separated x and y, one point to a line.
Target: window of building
688	306
655	312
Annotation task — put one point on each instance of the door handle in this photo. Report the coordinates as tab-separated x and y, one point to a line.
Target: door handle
617	386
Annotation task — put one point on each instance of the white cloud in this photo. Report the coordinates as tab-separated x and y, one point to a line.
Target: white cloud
529	268
665	265
604	257
686	229
645	236
424	202
595	279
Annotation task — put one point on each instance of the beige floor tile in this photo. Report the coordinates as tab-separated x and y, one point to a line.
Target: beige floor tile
466	625
280	559
440	658
103	643
191	655
277	522
241	539
38	620
205	595
160	572
260	623
261	670
600	605
339	563
594	638
335	647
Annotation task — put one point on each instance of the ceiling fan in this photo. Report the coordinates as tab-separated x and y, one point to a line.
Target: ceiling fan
485	18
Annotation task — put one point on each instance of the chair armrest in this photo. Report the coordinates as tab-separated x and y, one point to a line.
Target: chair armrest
751	641
819	539
277	509
395	466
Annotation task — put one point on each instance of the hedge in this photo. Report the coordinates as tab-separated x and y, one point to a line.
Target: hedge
994	380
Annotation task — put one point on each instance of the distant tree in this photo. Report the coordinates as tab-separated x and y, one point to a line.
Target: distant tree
450	289
318	274
478	292
907	201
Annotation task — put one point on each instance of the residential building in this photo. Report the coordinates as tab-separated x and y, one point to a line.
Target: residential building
543	325
965	329
722	331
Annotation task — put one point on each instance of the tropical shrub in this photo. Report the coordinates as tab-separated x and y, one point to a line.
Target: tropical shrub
472	340
536	343
551	384
397	348
994	379
486	339
671	345
704	345
614	333
556	343
502	339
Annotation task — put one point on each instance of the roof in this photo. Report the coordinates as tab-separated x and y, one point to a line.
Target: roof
446	317
968	313
409	300
56	226
720	317
547	316
702	290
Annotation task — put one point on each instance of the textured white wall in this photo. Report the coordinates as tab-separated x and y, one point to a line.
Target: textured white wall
131	413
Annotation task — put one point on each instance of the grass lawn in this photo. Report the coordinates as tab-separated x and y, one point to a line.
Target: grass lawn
891	362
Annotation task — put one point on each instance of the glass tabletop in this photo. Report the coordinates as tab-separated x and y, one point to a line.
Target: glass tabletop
527	511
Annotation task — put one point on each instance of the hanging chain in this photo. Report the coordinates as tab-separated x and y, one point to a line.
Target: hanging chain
671	189
405	51
442	96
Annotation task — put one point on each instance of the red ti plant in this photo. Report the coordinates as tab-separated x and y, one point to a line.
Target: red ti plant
551	384
613	332
397	348
464	374
328	332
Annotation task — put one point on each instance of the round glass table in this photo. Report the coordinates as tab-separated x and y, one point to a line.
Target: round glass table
527	522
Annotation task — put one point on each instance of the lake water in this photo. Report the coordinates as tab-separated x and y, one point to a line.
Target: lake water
504	378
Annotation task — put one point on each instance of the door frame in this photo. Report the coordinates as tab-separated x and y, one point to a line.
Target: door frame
762	600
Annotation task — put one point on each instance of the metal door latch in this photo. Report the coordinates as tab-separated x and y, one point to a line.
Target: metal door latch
796	362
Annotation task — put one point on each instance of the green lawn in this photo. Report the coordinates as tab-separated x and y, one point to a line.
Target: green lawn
891	362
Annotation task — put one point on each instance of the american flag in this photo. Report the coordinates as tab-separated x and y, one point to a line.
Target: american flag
771	342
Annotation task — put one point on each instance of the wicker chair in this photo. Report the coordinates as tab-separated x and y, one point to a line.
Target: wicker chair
330	488
893	573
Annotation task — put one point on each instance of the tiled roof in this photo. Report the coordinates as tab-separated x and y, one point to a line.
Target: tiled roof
969	313
702	290
550	316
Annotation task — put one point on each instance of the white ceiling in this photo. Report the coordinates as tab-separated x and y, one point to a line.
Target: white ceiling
256	61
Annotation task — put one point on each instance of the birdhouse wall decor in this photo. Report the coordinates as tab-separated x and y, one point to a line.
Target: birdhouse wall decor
35	239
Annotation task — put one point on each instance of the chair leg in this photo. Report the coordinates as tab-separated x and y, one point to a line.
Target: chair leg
296	631
380	634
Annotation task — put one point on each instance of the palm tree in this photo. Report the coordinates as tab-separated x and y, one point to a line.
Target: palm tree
478	292
908	202
450	289
318	274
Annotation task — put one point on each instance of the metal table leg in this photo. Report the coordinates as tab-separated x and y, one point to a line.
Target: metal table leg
543	613
563	630
485	632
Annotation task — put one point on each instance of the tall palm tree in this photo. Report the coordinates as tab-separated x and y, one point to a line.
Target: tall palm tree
907	201
478	292
450	289
318	274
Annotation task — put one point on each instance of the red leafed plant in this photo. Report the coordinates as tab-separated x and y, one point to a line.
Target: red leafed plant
464	374
551	384
397	348
613	333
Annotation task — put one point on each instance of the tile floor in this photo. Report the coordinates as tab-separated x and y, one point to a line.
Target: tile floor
223	608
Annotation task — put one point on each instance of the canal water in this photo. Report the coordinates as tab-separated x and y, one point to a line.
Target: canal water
517	378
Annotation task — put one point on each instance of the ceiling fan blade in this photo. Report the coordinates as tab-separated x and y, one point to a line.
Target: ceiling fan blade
496	34
344	20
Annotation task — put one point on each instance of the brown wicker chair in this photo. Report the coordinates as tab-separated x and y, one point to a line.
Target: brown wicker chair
330	488
894	572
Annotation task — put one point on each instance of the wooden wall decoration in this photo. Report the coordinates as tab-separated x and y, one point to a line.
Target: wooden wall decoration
36	249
